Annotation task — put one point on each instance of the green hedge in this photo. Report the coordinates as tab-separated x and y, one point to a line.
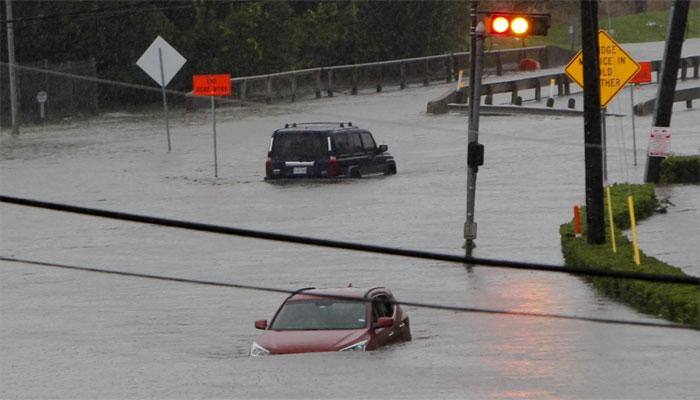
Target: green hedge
679	303
680	169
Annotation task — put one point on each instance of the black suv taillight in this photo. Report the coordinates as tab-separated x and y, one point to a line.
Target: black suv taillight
333	167
268	167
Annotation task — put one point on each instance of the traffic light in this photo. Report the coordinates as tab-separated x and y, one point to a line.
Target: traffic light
513	24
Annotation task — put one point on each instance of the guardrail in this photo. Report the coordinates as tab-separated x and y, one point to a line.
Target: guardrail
376	76
687	95
563	83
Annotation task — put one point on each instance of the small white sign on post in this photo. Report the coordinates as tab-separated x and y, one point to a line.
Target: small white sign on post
161	62
41	98
659	142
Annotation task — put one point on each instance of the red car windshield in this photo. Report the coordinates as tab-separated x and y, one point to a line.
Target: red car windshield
321	315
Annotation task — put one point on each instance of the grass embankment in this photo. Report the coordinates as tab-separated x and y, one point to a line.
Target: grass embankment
679	303
680	169
633	28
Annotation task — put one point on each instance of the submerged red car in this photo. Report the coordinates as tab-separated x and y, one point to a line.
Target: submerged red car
343	319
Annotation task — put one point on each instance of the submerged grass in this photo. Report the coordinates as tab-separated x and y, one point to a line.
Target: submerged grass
678	303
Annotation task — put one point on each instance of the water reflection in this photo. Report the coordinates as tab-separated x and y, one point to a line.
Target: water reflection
531	349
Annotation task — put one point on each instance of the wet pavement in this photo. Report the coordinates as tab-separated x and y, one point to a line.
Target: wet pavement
69	334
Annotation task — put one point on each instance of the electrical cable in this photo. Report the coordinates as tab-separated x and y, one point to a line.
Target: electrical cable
340	297
90	14
225	230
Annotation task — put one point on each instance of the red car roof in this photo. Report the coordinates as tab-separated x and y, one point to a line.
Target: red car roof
350	292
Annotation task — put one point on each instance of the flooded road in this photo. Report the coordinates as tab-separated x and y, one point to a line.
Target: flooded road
69	334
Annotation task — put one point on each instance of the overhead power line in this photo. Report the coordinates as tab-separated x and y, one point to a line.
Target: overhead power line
130	9
404	303
225	230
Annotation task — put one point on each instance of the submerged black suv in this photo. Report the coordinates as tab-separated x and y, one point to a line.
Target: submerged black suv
326	149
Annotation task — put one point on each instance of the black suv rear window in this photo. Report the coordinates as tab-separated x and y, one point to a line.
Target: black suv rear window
348	143
299	146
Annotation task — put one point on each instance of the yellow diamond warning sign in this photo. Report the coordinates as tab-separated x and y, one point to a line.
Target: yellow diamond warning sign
616	67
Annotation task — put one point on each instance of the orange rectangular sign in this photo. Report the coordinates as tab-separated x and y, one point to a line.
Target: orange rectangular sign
644	74
211	85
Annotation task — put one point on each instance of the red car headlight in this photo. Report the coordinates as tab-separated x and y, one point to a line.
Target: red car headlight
359	346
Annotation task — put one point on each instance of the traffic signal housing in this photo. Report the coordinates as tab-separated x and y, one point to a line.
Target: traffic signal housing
516	24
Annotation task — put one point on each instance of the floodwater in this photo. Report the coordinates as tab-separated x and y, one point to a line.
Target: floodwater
72	334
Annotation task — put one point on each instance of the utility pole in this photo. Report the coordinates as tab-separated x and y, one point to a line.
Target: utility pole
11	67
595	218
475	151
663	107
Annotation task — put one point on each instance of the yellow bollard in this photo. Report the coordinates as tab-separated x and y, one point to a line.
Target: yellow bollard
610	217
633	225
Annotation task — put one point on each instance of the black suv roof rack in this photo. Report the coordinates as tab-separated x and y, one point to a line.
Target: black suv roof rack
341	124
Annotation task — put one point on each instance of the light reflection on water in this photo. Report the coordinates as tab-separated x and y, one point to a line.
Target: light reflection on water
531	349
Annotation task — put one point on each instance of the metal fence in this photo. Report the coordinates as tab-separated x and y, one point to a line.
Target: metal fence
65	95
400	73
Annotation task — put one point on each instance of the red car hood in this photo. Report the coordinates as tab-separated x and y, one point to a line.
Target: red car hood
287	342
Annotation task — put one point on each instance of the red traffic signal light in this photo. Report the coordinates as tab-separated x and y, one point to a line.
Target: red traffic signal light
500	25
520	25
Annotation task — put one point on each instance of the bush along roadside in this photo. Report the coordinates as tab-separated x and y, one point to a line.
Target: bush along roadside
680	169
678	303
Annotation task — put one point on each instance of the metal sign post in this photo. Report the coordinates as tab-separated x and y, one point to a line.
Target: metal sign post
41	98
165	98
213	124
211	86
634	131
161	62
604	134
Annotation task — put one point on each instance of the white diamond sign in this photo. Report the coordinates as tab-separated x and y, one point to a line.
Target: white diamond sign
160	54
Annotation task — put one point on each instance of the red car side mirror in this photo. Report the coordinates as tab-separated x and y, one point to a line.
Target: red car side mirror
261	324
385	322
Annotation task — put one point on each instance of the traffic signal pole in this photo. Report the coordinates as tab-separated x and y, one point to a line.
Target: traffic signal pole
475	151
595	218
667	81
498	23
